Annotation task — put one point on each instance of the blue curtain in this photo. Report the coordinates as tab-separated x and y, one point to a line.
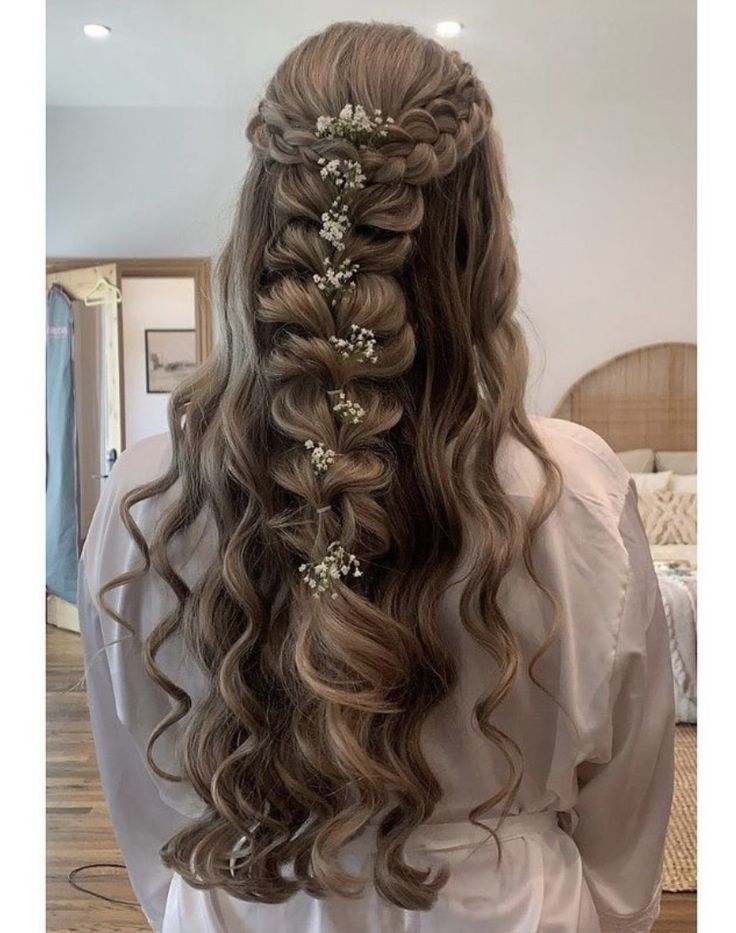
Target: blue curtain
62	520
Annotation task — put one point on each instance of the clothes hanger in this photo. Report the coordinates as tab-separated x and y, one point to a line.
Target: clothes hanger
92	300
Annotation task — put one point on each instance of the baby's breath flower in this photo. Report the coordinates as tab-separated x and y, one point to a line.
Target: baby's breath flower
335	224
354	124
361	344
353	176
346	174
322	575
322	457
331	169
348	411
336	278
348	178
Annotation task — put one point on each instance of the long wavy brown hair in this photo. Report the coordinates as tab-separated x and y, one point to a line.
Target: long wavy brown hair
311	726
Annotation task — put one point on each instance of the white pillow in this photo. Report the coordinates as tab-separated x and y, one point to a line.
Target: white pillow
637	461
652	482
679	461
687	483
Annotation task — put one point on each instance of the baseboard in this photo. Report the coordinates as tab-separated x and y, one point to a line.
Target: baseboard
62	614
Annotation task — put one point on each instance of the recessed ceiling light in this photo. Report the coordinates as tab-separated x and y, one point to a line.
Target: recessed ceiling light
448	29
97	31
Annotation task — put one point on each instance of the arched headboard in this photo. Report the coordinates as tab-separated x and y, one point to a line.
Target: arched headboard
643	398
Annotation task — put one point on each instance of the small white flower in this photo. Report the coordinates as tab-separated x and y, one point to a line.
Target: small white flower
322	457
354	124
331	169
353	176
336	564
336	278
348	411
335	224
360	344
348	177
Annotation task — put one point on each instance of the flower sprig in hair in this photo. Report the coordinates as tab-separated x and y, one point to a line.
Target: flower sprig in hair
336	278
354	124
337	564
348	178
322	457
348	411
360	344
347	175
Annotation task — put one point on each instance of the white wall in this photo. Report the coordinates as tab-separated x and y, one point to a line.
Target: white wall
141	181
606	230
598	119
149	303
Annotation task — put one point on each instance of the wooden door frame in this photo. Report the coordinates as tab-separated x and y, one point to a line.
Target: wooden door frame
196	267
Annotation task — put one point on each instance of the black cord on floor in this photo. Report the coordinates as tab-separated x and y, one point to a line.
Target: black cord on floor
103	897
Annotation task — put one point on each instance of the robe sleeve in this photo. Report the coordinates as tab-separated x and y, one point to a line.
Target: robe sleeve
140	818
624	802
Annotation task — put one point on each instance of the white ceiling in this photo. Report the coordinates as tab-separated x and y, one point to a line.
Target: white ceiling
220	53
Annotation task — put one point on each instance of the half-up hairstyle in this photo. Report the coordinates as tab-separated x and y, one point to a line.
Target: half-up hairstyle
368	364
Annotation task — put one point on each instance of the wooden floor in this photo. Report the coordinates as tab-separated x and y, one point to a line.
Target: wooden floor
78	827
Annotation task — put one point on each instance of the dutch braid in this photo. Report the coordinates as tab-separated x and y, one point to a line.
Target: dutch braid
419	147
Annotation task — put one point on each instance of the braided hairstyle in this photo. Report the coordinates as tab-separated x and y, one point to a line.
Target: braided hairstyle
367	366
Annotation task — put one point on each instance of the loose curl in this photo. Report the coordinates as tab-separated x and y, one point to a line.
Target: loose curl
310	729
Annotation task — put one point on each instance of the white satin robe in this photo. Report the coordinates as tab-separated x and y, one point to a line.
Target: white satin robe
585	853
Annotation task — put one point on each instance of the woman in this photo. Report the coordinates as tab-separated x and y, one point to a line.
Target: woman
369	648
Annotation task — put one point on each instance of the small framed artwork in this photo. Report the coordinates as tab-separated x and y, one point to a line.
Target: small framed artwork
170	356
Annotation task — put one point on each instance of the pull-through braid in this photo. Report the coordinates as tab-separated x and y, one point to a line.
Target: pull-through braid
329	381
397	157
335	349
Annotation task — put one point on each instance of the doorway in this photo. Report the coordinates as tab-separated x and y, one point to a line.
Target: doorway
151	324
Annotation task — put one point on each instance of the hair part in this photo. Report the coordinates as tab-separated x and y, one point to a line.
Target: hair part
310	730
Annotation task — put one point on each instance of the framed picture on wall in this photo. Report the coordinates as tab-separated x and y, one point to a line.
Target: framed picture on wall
170	356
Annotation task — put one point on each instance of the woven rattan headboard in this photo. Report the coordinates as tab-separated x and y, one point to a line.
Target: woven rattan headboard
643	398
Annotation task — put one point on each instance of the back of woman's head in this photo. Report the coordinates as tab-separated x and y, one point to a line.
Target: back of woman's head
367	366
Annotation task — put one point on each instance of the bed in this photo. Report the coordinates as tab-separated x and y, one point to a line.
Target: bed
643	403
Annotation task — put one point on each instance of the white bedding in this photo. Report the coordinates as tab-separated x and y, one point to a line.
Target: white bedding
678	552
676	571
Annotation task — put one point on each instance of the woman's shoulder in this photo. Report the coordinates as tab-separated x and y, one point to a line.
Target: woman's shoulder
142	462
108	544
579	448
590	469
